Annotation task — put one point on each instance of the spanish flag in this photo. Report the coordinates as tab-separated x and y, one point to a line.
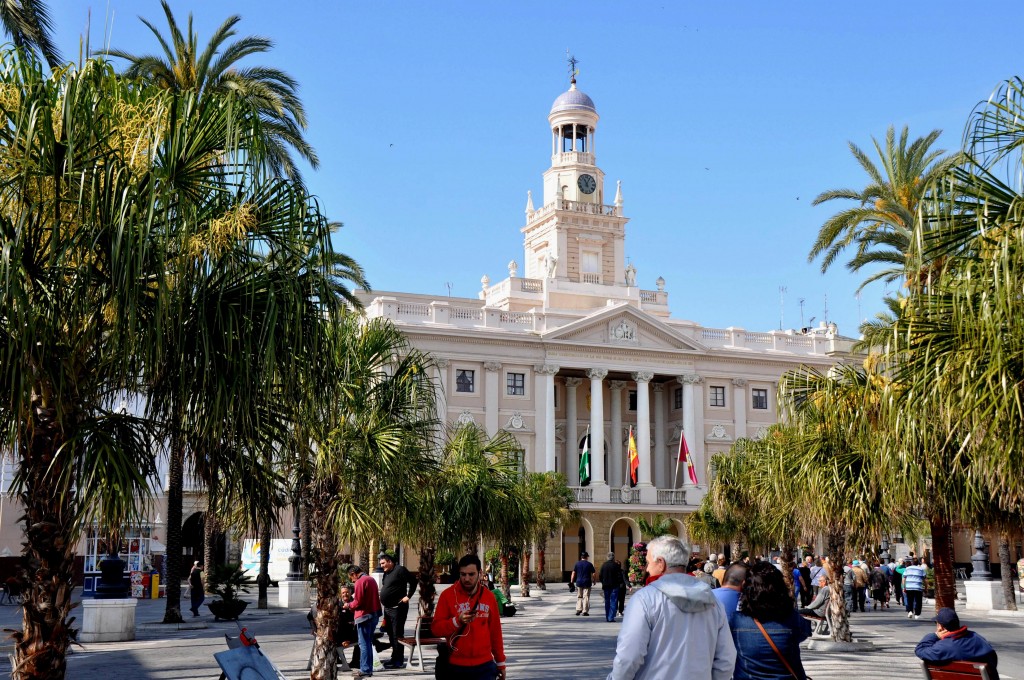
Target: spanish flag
634	459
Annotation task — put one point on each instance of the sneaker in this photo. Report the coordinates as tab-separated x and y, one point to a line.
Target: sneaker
917	616
910	615
394	665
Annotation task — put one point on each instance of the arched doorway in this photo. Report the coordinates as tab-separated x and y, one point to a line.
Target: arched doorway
192	535
575	539
624	533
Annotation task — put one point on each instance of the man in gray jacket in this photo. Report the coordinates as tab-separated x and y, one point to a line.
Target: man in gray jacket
674	628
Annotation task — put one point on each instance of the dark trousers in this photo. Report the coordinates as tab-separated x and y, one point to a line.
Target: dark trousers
485	671
848	596
197	599
395	620
611	603
914	600
897	592
862	597
622	599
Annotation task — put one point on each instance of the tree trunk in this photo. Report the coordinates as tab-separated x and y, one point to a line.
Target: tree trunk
1005	575
175	491
840	630
46	575
524	574
426	578
786	560
942	562
325	660
263	580
542	546
306	535
505	588
210	528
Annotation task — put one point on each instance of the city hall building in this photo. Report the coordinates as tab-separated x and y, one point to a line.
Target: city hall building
569	343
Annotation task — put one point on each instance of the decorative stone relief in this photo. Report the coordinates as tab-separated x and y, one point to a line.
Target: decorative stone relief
546	369
718	432
617	385
560	432
513	269
492	366
643	376
597	373
626	493
658	387
465	418
739	382
761	433
573	382
515	422
677	432
442	363
690	379
622	332
631	276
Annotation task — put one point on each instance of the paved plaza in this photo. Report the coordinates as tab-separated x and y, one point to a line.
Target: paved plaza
545	640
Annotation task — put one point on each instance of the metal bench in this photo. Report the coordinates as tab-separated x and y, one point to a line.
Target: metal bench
956	670
421	637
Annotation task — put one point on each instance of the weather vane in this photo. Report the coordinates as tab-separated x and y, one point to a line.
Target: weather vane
573	71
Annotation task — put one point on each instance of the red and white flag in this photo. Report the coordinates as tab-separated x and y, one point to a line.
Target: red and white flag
686	460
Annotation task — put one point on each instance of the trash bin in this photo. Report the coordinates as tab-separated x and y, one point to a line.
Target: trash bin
154	582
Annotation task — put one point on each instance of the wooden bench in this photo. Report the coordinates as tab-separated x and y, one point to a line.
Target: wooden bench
421	637
956	670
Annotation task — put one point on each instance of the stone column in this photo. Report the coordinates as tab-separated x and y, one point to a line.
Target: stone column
546	400
689	417
572	435
648	494
442	390
616	461
658	458
597	375
492	390
739	406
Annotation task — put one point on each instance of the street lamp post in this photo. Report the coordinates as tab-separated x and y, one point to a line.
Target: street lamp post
295	571
980	559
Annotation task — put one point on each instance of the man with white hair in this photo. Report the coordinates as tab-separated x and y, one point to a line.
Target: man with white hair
674	628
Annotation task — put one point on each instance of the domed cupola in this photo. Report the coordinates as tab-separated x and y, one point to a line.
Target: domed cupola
573	119
573	100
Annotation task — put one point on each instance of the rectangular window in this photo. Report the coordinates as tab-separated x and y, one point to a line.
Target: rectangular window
677	398
464	380
515	384
591	262
717	395
632	400
759	398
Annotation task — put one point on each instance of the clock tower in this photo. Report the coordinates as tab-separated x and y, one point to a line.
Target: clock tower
576	239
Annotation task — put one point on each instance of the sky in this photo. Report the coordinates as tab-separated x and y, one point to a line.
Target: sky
722	120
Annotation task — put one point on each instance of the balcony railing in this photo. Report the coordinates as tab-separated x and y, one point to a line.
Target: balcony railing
625	495
583	494
588	277
671	496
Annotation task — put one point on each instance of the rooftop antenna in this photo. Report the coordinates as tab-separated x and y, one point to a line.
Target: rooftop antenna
448	285
826	309
802	312
782	306
860	319
573	71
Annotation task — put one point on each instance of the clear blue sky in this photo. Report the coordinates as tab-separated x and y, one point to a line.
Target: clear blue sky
723	121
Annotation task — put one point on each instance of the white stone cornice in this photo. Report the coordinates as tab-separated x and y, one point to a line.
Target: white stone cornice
690	379
617	385
492	366
547	369
597	373
643	376
573	382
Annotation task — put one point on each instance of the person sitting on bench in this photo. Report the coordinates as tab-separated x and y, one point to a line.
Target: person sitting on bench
953	642
818	607
345	634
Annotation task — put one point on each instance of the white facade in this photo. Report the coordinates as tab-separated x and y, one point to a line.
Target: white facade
574	344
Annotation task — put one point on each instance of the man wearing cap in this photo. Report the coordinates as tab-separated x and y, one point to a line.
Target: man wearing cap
953	642
583	577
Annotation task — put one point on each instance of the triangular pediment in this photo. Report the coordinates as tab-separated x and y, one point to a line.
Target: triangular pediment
624	326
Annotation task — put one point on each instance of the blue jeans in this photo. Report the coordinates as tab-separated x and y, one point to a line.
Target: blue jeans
611	603
366	629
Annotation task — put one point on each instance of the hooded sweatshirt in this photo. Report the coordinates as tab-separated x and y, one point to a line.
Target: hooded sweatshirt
674	623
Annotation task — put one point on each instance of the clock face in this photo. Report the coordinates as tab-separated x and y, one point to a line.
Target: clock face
587	184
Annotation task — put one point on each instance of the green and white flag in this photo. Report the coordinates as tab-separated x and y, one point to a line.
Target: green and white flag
585	461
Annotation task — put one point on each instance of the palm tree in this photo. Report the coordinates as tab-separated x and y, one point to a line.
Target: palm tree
554	505
269	91
83	234
369	416
30	26
657	525
882	223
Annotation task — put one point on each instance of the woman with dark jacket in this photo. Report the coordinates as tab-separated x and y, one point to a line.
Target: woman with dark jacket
766	628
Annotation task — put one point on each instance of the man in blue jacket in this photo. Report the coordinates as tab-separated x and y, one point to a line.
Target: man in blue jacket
953	642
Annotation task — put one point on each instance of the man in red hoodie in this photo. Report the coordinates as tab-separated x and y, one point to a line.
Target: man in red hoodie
365	606
467	615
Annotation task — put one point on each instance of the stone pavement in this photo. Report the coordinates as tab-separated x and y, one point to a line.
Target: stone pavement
544	641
